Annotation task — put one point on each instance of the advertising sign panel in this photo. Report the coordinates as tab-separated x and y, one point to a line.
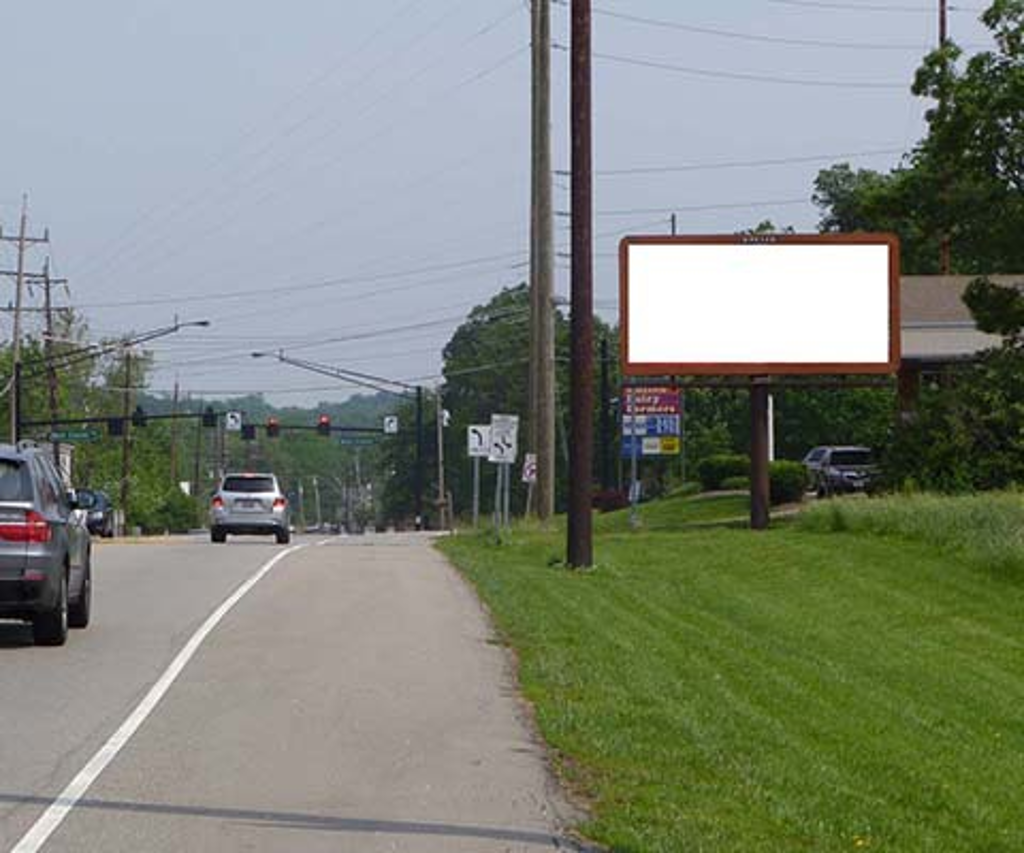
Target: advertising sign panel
760	305
652	418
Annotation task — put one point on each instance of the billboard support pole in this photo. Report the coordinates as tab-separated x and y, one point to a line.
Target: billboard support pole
759	480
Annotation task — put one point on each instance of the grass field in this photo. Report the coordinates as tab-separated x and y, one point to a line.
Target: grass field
803	689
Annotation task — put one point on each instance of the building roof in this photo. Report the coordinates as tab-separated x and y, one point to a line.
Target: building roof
935	324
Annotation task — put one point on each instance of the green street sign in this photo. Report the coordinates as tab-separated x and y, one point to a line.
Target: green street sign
357	441
75	435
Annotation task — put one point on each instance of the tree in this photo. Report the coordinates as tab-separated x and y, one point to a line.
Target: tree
965	179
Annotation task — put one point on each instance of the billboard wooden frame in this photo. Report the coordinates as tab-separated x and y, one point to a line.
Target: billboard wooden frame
763	368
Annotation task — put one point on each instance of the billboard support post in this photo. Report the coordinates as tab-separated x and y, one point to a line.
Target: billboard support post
760	486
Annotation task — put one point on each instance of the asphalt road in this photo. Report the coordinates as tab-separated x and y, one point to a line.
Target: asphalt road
352	699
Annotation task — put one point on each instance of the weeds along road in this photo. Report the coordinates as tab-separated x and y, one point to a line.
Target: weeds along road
350	698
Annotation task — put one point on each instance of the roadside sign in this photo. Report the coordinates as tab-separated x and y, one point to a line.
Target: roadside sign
233	421
357	440
75	435
478	441
651	418
530	468
504	439
391	425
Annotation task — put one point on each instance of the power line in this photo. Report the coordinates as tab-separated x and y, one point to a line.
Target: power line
752	37
870	7
349	119
741	164
749	77
636	211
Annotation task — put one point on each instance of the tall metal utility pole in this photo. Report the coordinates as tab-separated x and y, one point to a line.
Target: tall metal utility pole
542	269
581	390
22	240
126	434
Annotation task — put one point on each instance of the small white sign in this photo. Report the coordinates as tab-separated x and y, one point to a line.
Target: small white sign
530	468
504	439
233	421
478	441
391	425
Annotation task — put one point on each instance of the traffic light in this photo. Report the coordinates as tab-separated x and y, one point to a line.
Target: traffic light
115	427
323	425
273	428
209	417
139	417
248	432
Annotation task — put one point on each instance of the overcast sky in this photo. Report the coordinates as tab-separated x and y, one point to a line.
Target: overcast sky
364	167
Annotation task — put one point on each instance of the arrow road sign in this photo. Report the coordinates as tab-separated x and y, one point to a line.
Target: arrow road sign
478	441
504	439
233	421
391	425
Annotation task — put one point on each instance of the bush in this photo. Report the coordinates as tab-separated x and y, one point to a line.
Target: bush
787	482
715	469
175	512
736	483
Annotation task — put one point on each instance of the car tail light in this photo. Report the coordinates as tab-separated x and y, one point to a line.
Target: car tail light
217	502
280	503
33	528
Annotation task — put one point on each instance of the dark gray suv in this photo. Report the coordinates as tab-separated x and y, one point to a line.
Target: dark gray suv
45	550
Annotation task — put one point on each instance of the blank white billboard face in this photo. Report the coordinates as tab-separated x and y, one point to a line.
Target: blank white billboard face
798	305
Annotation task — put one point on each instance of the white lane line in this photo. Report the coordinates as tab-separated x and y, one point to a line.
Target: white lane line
59	809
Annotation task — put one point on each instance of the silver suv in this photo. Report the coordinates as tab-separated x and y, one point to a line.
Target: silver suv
45	550
249	504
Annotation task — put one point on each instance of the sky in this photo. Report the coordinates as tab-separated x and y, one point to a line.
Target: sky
345	181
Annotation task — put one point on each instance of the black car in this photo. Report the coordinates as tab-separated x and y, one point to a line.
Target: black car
100	518
845	470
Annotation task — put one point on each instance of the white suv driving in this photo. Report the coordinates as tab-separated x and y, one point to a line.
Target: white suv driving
249	504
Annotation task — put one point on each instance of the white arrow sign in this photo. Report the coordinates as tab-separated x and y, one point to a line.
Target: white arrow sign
233	421
391	425
504	439
478	439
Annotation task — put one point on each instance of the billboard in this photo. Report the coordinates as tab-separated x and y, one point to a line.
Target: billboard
760	305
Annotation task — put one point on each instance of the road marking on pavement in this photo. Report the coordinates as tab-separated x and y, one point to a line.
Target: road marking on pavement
59	809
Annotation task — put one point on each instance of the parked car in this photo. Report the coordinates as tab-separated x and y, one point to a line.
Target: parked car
844	470
249	504
100	518
812	463
45	548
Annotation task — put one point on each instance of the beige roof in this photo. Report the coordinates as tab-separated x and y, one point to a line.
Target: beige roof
936	324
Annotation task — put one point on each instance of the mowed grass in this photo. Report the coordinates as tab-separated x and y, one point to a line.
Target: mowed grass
676	512
721	690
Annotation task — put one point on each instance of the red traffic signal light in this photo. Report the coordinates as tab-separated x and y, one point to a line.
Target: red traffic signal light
323	425
273	428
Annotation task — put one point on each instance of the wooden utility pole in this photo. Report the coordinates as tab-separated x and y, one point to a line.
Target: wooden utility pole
542	269
48	353
126	432
22	241
442	499
581	391
946	241
174	436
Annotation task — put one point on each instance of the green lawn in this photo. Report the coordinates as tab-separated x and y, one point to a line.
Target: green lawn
797	690
677	512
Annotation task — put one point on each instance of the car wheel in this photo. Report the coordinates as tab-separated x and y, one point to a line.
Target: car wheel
51	628
218	536
78	612
283	537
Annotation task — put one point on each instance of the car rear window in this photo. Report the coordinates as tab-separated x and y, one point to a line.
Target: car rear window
248	484
851	457
14	481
